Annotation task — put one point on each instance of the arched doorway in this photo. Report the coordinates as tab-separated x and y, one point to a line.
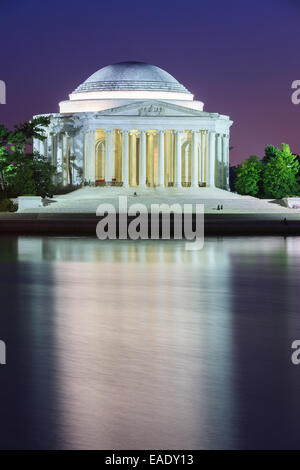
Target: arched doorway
186	163
100	151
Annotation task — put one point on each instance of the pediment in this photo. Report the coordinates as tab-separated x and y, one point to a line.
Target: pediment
149	108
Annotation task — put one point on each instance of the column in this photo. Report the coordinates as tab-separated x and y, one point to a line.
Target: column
142	179
177	159
36	145
54	150
45	146
78	152
86	157
71	158
65	160
150	158
59	158
219	161
195	175
161	159
200	157
132	159
41	147
50	148
212	156
226	162
186	164
108	156
203	162
92	156
53	160
125	159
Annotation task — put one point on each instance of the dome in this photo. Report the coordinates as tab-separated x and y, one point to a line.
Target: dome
131	76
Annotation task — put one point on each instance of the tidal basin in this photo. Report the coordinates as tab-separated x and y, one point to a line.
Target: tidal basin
144	345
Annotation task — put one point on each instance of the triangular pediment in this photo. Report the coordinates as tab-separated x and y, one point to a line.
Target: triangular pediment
149	108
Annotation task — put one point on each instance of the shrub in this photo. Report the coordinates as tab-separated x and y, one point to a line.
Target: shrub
248	176
6	205
280	174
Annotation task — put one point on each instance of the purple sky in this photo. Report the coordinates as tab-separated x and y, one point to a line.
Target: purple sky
239	57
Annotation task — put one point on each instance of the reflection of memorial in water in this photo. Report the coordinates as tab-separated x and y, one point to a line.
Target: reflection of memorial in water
134	322
155	346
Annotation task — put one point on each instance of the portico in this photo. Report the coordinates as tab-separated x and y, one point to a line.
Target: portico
153	157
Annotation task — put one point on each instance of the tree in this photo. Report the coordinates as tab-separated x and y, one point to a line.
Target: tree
270	152
21	170
249	176
280	173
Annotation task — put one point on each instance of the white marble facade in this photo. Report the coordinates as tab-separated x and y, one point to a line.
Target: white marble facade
133	125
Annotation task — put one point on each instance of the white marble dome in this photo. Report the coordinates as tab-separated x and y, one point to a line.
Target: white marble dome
131	76
125	82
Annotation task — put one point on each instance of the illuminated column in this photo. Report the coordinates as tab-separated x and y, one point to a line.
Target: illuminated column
54	153
113	156
50	148
212	157
125	162
108	156
195	176
200	157
203	157
44	147
41	147
177	159
59	158
86	156
133	158
186	164
92	157
161	159
36	145
226	162
142	179
64	159
71	158
86	142
63	150
219	161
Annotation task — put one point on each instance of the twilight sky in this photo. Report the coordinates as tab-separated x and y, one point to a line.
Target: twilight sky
239	57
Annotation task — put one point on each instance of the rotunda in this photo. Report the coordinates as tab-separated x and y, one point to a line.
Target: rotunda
132	124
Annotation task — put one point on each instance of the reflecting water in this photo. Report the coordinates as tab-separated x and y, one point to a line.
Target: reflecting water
145	345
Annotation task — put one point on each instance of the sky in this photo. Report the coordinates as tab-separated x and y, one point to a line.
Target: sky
238	57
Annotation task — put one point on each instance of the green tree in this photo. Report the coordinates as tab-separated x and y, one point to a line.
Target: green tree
280	173
270	152
21	170
249	176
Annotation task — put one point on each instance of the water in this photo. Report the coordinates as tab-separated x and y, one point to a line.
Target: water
143	345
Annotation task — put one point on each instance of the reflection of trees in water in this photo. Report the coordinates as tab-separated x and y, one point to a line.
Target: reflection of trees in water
27	392
9	248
